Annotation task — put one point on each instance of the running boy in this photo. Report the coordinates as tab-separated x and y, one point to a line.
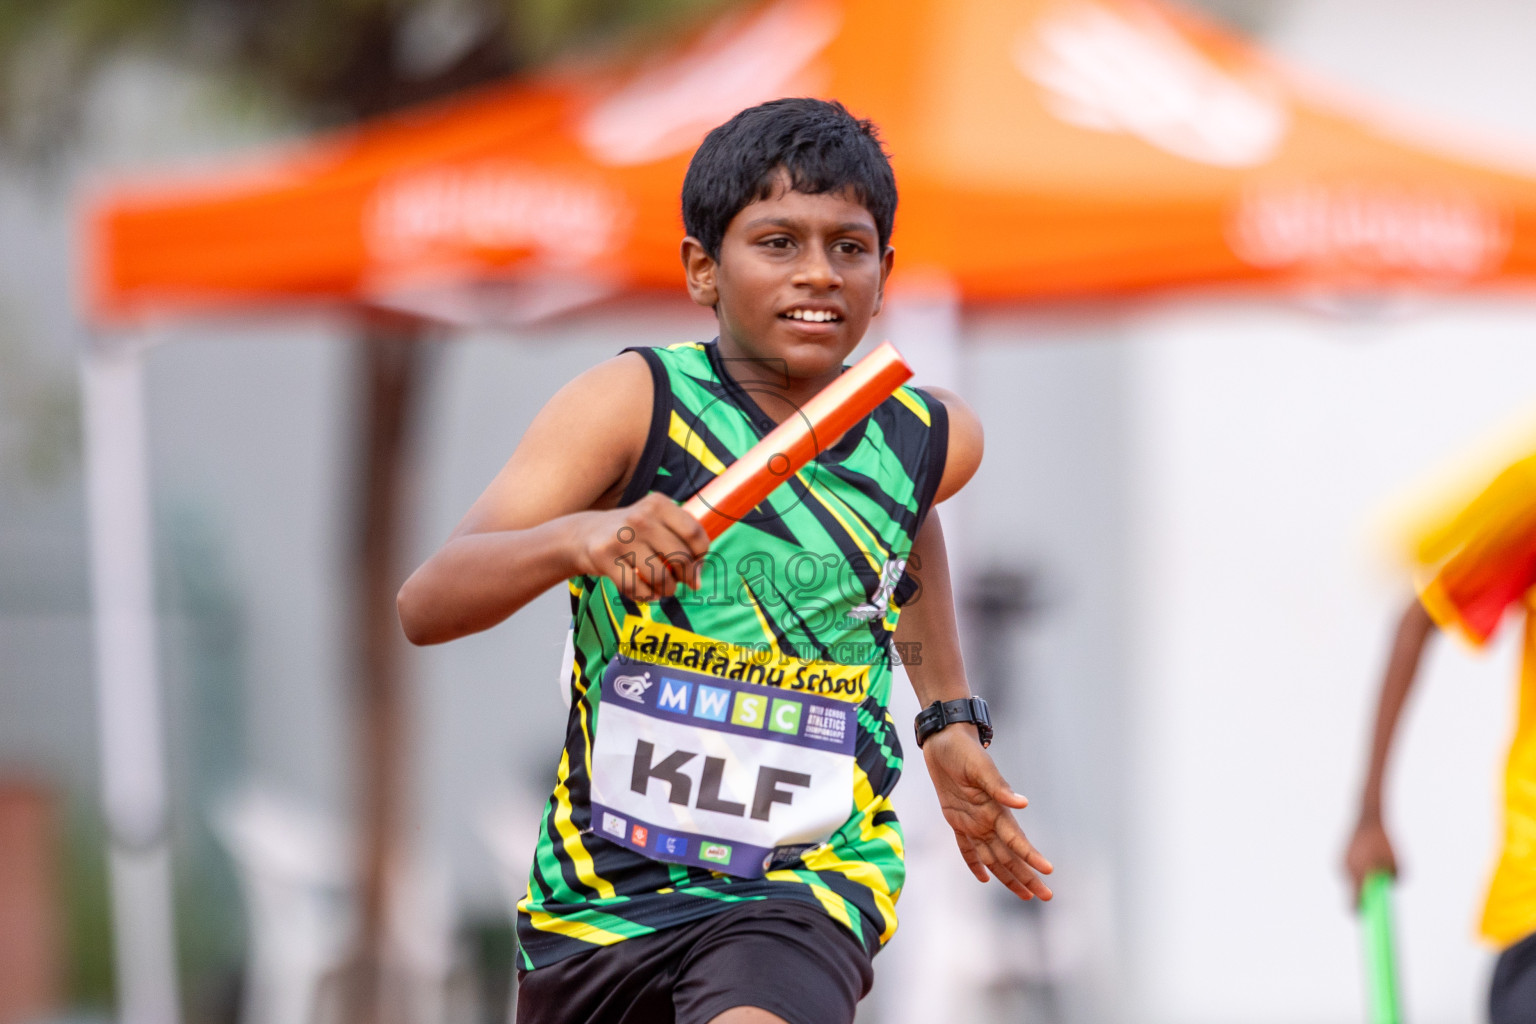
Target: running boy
1474	568
720	845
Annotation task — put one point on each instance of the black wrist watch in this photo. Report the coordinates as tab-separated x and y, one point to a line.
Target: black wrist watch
941	713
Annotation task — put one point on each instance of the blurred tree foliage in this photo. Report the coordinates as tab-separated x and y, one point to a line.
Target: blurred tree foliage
326	61
39	412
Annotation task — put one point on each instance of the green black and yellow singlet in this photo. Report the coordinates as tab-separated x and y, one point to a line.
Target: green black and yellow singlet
802	595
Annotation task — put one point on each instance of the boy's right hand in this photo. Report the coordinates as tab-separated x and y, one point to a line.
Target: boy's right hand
1369	850
648	549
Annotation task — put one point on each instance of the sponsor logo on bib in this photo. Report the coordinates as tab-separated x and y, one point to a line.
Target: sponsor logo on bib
712	703
830	724
785	717
632	687
675	846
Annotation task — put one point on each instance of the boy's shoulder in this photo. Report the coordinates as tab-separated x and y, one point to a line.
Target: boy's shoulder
620	384
606	407
965	441
920	401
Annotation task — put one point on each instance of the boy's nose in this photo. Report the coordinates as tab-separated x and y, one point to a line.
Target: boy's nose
816	271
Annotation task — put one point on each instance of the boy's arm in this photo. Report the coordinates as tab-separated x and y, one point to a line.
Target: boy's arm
550	514
1369	848
976	800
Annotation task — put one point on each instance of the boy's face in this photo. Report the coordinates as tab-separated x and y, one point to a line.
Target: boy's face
798	279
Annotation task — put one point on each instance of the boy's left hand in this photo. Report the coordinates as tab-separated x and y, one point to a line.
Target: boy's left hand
978	803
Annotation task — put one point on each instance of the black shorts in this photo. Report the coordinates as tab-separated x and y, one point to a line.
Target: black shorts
1512	996
784	957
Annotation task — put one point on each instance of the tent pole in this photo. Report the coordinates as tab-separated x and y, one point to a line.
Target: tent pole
128	684
378	981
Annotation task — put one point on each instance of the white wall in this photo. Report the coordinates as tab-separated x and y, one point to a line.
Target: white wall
1265	441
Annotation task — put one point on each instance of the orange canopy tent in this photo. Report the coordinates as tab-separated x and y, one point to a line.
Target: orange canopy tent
1042	147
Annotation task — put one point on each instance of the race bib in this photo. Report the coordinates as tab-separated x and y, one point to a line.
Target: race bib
694	769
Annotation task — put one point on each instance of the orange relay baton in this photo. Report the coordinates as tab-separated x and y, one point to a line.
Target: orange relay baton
798	440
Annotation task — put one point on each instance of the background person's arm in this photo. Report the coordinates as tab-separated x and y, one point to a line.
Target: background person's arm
550	514
1370	848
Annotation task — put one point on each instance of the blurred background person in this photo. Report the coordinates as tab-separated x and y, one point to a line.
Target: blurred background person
1477	568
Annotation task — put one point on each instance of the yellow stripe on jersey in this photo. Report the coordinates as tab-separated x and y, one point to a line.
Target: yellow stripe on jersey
880	549
689	440
612	618
878	564
906	398
584	719
573	927
570	839
578	680
836	907
864	797
762	620
824	858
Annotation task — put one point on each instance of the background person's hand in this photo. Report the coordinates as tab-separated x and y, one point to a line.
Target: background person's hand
1369	850
649	548
978	803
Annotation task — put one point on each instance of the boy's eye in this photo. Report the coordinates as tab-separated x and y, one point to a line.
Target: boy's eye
777	242
848	248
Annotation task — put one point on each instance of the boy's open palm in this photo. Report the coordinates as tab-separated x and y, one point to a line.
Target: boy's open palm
978	803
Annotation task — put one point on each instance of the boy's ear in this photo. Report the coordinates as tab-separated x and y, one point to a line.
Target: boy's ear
887	260
700	268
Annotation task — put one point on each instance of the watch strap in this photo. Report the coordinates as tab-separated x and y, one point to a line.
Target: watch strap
940	714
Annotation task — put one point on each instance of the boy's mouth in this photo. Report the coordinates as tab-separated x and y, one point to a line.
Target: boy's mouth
811	316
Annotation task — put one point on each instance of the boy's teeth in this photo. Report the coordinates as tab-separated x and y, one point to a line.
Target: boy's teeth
813	315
